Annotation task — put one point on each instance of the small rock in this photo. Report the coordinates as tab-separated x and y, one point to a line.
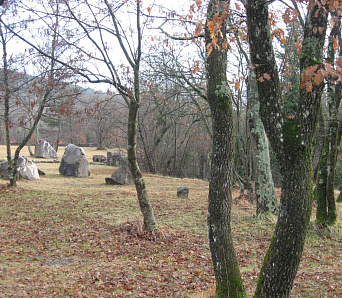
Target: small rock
99	158
183	192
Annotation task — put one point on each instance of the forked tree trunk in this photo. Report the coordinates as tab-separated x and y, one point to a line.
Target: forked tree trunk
291	138
226	268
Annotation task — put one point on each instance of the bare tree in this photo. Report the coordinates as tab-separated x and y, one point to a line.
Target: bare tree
87	28
43	88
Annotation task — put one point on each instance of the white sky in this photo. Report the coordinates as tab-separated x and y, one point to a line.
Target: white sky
128	21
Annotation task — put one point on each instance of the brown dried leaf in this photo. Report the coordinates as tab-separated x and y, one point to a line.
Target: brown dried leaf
267	76
308	86
339	61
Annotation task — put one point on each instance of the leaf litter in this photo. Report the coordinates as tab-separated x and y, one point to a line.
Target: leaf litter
90	243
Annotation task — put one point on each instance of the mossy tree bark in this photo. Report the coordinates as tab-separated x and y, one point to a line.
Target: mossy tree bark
291	138
264	187
326	213
226	268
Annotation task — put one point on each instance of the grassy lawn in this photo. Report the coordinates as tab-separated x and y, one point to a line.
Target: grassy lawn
78	237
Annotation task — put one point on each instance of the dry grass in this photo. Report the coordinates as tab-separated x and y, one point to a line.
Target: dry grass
78	237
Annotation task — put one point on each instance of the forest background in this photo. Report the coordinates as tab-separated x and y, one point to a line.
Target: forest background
174	120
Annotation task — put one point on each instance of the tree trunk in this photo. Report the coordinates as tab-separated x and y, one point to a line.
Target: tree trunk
144	201
226	268
291	138
335	141
318	145
134	103
30	150
11	164
58	134
284	254
326	213
264	186
321	186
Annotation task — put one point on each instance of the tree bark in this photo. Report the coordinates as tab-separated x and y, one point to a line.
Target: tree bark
326	213
134	104
226	268
10	163
144	201
281	262
291	138
264	186
58	134
30	150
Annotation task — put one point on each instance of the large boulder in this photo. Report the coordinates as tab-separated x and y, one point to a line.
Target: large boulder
44	150
122	175
74	162
26	169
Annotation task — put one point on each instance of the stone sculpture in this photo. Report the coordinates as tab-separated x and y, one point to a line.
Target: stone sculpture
26	169
44	150
74	162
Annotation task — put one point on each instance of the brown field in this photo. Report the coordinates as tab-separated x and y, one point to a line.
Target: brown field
78	237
